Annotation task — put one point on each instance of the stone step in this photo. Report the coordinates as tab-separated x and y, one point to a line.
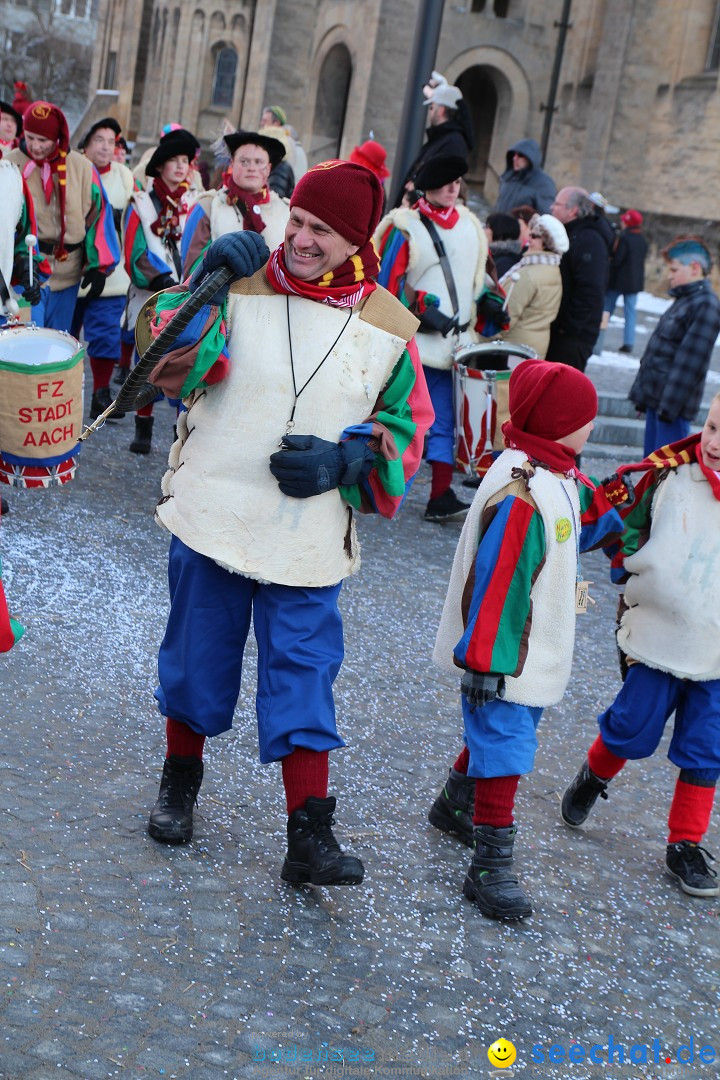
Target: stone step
618	431
617	404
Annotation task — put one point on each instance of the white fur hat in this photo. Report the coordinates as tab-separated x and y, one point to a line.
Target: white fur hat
555	235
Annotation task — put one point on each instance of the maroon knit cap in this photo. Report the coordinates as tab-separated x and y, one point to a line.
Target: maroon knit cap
551	400
347	197
46	120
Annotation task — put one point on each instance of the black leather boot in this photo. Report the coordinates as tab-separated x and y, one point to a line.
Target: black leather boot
171	818
452	811
102	399
489	882
143	435
314	856
581	796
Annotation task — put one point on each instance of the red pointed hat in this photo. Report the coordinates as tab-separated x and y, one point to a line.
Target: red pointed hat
551	400
46	120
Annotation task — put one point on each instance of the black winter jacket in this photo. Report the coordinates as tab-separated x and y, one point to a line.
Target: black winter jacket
531	186
584	271
446	140
675	363
627	269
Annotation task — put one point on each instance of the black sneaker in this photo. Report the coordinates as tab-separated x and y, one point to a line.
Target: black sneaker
447	507
626	349
582	795
686	862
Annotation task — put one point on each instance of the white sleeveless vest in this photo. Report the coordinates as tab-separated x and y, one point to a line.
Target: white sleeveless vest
226	219
673	621
466	248
546	672
221	498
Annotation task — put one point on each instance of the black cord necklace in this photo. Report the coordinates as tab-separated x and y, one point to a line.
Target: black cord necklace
291	422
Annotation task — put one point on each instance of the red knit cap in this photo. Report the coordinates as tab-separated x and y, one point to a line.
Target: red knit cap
551	400
47	121
347	197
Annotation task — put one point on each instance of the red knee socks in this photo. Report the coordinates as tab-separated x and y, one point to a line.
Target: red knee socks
304	773
690	812
442	475
102	370
182	741
495	800
147	410
602	761
461	765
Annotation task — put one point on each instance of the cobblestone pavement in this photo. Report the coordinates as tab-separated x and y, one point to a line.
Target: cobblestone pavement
123	958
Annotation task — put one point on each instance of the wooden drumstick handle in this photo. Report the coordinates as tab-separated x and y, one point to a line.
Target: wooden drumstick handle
31	244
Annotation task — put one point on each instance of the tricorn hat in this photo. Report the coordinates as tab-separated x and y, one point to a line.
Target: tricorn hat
439	171
172	145
275	149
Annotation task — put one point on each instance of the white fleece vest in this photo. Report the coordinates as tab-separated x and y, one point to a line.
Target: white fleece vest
546	673
118	184
466	249
226	219
673	621
11	199
223	500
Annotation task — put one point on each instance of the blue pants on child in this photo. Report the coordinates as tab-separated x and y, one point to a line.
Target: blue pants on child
500	737
633	725
55	310
300	649
99	318
440	442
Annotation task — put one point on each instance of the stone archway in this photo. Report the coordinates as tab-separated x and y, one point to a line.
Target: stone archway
331	99
498	96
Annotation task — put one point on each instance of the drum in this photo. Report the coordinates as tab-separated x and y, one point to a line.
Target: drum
41	406
481	381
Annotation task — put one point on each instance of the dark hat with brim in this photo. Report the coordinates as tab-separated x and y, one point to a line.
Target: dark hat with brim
106	122
275	149
439	171
5	107
172	145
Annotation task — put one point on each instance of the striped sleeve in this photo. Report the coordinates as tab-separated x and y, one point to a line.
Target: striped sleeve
141	264
102	250
394	253
496	602
10	629
195	239
636	521
395	430
200	352
600	522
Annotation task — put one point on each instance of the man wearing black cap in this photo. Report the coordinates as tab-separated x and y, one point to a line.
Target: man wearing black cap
244	201
152	232
433	259
311	405
99	309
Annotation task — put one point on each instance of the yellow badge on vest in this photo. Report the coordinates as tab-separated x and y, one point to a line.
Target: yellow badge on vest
563	530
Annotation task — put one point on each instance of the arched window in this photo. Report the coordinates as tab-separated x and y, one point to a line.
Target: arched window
223	89
331	102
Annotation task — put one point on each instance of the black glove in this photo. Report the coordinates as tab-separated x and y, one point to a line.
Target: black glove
96	280
162	281
432	318
479	688
307	465
618	492
21	278
243	252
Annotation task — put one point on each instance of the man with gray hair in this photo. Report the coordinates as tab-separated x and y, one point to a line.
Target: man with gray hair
584	270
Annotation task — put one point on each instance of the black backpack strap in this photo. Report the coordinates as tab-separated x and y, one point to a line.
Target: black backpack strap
444	261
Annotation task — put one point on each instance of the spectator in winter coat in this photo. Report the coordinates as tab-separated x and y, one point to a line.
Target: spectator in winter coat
627	276
584	272
524	181
503	233
670	383
448	131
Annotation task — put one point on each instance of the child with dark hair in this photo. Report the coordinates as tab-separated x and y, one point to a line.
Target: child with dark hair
503	233
669	559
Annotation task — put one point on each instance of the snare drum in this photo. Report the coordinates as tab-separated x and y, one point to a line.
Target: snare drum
41	406
481	381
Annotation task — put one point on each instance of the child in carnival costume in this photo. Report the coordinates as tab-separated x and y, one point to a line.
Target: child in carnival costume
509	617
669	634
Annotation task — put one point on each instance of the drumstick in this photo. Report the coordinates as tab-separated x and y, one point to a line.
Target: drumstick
30	243
513	278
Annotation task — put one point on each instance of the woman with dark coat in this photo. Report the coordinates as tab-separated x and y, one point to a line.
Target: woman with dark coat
627	276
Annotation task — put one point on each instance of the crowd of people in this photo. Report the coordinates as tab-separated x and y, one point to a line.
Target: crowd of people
334	340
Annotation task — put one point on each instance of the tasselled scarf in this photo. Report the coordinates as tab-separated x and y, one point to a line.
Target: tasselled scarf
553	455
49	167
167	223
246	201
672	455
443	216
343	287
